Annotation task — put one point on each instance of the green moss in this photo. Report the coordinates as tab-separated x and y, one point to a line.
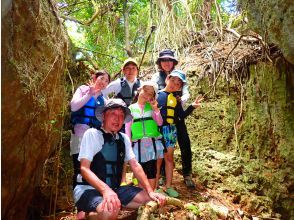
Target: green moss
255	165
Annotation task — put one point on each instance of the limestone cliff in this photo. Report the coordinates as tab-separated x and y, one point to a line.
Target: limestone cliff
274	21
34	48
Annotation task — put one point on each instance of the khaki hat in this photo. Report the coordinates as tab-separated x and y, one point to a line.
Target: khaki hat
130	60
113	103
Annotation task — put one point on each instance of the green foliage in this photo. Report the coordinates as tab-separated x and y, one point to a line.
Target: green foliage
103	40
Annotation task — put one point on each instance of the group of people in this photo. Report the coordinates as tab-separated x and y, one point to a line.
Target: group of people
138	126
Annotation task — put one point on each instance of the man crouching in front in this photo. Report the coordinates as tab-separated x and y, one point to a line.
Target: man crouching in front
102	154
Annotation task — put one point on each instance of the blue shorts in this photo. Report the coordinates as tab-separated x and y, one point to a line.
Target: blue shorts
169	133
91	198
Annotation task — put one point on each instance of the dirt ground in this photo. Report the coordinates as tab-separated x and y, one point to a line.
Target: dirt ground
210	205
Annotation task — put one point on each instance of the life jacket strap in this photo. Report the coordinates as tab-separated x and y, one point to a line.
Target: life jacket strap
154	147
139	150
143	119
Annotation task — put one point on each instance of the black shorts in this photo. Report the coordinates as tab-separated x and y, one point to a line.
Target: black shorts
149	168
91	198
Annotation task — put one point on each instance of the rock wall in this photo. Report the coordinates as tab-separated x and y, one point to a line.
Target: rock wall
34	50
253	162
273	19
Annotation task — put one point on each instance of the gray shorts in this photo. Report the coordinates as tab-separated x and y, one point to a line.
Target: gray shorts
91	198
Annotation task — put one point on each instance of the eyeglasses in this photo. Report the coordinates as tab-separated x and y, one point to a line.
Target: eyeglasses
166	60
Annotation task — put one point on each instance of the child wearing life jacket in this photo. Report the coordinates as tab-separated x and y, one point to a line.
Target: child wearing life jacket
83	104
171	110
143	130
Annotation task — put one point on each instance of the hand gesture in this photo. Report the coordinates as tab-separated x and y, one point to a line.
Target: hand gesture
158	198
94	86
179	100
110	202
197	102
154	104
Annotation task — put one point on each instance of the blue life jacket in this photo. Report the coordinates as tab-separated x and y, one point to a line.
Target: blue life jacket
86	114
125	93
108	163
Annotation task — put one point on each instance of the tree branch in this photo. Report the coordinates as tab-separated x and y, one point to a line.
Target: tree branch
94	16
245	38
153	27
113	57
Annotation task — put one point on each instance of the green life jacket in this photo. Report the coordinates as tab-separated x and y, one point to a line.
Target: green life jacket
143	123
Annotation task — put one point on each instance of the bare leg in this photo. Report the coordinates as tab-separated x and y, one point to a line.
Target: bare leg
140	199
158	168
169	165
103	215
124	173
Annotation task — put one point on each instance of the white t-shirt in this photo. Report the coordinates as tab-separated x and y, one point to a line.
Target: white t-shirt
93	141
91	144
115	87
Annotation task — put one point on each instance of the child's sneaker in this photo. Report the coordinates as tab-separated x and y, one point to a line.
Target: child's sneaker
161	191
172	192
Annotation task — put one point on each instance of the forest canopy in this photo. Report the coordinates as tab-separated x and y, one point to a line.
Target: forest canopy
106	32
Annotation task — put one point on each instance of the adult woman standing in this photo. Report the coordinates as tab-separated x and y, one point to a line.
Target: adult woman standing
166	63
83	104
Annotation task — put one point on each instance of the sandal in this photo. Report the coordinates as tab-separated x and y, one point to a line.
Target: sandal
161	191
172	192
189	182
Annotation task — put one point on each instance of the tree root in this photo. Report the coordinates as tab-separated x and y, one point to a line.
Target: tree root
145	211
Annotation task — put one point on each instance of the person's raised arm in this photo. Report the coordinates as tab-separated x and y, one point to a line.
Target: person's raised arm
197	102
156	112
80	98
83	95
113	87
186	95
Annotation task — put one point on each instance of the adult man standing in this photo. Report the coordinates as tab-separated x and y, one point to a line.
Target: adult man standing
125	87
166	63
102	154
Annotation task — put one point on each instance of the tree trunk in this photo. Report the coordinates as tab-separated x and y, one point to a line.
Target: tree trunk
127	28
206	17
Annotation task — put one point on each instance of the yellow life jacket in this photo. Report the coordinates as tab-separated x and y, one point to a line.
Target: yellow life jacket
170	108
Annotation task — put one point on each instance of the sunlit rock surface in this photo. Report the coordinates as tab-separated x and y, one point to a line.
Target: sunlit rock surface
34	47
